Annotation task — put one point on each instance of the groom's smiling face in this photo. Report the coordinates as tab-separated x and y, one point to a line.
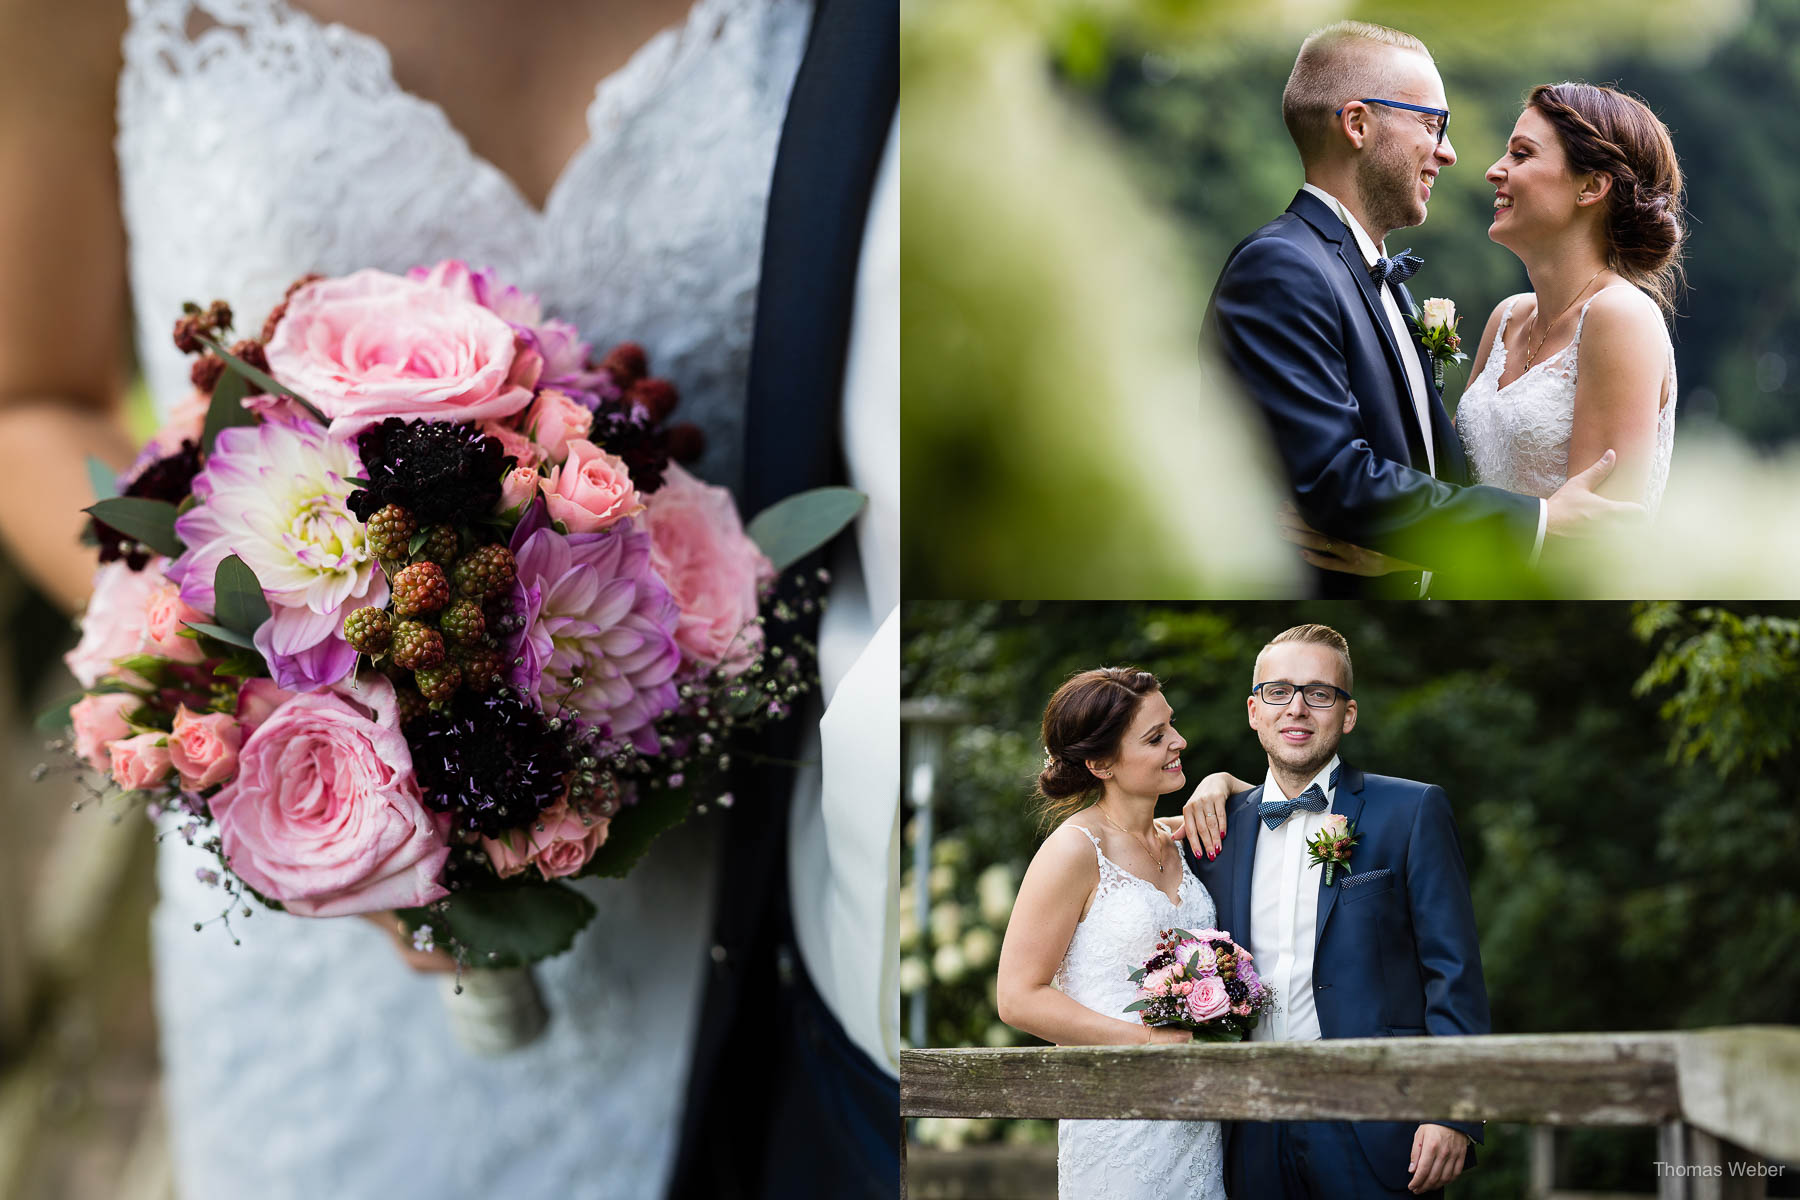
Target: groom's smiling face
1298	739
1400	163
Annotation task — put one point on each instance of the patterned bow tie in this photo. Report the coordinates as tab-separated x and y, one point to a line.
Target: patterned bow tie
1274	812
1397	269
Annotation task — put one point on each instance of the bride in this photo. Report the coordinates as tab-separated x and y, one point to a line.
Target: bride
1588	196
258	140
1102	887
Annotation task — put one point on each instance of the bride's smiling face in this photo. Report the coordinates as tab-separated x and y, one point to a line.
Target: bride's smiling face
1534	193
1148	762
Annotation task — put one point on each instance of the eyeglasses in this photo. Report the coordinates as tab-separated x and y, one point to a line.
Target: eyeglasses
1316	695
1442	114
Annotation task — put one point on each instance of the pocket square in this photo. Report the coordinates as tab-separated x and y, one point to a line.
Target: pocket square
1351	881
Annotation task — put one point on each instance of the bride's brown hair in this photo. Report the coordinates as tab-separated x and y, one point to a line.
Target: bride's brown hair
1086	719
1602	129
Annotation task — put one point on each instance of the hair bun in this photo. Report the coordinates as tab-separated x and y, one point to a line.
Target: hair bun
1060	779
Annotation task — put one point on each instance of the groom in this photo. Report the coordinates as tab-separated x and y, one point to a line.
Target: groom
1388	949
1311	314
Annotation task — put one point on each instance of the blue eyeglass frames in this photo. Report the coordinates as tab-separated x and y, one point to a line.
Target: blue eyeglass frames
1443	114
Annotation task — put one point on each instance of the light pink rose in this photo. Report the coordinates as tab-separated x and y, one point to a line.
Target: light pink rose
325	814
590	491
114	625
1242	1010
563	848
1157	982
1335	825
372	345
525	452
99	720
204	748
713	569
517	488
165	616
1208	999
556	419
139	762
257	699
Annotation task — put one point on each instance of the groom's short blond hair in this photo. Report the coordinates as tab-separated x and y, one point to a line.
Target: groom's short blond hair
1314	635
1340	62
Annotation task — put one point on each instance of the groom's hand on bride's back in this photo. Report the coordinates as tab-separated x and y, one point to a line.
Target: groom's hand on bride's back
1577	510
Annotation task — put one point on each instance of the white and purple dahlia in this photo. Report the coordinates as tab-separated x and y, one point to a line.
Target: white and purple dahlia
274	495
595	611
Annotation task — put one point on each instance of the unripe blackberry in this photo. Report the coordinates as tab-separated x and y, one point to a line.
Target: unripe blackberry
369	630
420	589
417	647
463	623
437	684
485	572
205	371
412	705
389	530
626	363
440	545
658	396
250	351
187	333
483	668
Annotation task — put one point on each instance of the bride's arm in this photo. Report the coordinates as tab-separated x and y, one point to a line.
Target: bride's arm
1623	371
62	292
1057	886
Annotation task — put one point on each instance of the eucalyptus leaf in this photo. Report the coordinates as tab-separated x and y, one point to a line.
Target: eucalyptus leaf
151	522
1136	1005
55	719
239	602
263	380
790	529
508	926
226	409
105	483
220	633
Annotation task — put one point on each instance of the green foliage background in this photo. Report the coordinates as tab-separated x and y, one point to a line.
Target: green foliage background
1624	779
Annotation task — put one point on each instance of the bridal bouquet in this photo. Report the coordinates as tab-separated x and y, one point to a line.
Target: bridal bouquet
413	607
1204	982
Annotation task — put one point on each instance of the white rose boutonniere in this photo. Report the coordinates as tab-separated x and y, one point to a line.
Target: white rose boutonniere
1436	323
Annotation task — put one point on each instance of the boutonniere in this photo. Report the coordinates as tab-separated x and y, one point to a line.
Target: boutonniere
1330	847
1436	325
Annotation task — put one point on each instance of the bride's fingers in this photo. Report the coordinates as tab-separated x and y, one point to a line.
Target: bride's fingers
1306	538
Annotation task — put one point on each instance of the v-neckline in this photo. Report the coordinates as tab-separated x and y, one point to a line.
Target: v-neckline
607	85
1156	887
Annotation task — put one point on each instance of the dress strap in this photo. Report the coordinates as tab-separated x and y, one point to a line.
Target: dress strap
1505	316
1094	838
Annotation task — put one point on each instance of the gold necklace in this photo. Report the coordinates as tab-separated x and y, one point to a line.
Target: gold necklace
1531	353
1160	859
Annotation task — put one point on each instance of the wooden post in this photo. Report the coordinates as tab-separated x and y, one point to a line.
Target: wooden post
1671	1161
1543	1162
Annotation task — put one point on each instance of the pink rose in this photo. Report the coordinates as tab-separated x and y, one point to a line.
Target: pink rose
165	616
372	345
257	699
114	625
1242	1010
99	720
1208	999
325	814
563	848
554	420
204	748
713	569
1158	982
139	762
517	489
524	451
591	490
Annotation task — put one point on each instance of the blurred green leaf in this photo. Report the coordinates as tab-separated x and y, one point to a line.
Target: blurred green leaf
790	529
151	522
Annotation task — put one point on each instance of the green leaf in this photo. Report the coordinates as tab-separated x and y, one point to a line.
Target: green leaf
263	381
790	529
508	926
1137	975
55	719
415	542
152	668
1137	1005
239	602
151	522
632	831
105	483
226	408
242	664
219	633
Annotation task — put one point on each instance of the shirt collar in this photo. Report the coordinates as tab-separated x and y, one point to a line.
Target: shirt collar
1323	779
1370	251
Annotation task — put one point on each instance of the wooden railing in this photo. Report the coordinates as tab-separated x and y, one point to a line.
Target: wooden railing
1726	1101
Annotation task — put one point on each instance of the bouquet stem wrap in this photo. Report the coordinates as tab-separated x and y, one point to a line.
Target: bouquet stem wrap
498	1011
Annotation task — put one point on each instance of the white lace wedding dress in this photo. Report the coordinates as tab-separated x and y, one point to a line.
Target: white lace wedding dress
1517	436
256	144
1127	1160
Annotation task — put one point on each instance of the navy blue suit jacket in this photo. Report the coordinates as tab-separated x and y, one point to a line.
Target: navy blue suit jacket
1299	322
1396	952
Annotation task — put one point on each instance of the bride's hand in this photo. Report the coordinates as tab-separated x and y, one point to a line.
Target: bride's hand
426	962
1202	820
1330	555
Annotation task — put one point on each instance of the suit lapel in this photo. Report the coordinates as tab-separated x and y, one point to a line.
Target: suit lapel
1349	802
1243	863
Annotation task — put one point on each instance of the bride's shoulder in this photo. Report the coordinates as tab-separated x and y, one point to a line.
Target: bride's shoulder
72	48
1623	319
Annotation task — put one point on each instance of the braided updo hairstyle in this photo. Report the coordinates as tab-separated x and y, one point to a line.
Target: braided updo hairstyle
1606	130
1086	719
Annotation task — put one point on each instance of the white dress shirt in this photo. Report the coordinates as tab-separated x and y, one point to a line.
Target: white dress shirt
844	831
1284	914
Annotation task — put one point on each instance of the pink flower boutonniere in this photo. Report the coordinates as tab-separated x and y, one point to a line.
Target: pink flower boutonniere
1330	847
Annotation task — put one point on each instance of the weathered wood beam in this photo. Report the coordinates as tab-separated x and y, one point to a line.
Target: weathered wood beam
1743	1085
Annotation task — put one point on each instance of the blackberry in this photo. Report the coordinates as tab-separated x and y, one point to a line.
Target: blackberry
369	630
485	572
440	546
420	589
388	532
463	623
437	684
626	363
417	647
205	371
412	705
483	668
657	396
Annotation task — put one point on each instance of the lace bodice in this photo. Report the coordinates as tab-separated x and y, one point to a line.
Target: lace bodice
310	1061
1517	436
1100	1160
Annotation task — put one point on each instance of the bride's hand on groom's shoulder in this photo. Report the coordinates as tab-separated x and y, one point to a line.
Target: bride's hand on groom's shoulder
1202	820
1329	554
